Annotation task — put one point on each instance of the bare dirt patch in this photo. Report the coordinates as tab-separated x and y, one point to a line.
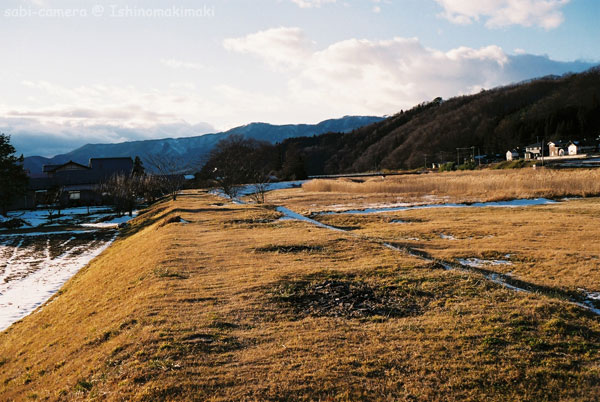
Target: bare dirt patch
291	249
346	297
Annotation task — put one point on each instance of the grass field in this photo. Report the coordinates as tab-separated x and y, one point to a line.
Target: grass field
467	186
239	305
551	245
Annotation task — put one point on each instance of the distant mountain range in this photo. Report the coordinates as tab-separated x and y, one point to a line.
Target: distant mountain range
191	152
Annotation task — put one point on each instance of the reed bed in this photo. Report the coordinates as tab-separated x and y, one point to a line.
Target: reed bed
472	186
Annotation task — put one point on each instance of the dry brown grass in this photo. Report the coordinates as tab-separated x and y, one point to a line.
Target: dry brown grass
204	311
470	186
552	245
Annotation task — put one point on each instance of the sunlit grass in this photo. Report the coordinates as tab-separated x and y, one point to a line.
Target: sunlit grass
204	311
486	185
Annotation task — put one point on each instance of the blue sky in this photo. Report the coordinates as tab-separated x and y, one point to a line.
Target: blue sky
77	72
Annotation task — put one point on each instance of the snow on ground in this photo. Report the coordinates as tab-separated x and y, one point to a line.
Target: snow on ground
32	269
40	217
447	237
405	207
288	214
283	185
35	265
112	223
478	263
34	234
250	189
594	295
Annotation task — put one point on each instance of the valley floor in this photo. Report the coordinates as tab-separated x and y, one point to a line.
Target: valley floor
234	303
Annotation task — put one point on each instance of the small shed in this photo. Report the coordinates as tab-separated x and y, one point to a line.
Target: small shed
512	155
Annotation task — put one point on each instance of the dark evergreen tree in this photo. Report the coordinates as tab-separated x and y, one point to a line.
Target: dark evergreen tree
138	167
13	178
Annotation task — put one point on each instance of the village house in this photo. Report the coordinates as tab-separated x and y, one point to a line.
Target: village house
558	148
534	151
582	147
78	183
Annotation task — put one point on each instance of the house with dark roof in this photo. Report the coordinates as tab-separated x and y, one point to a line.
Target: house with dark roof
558	148
78	183
582	147
534	151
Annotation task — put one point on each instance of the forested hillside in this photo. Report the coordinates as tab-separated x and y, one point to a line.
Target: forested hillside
492	121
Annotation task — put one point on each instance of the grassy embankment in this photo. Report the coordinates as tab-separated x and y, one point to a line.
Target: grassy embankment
236	305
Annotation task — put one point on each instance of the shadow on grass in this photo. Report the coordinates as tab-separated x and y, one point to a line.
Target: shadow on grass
332	294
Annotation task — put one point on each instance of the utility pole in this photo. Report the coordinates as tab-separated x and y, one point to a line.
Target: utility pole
542	144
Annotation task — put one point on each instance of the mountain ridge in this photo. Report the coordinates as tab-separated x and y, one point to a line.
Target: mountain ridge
192	151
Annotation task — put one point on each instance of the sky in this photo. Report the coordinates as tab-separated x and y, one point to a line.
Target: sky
77	72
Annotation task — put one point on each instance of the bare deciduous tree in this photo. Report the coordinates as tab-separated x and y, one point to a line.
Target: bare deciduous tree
235	161
55	201
123	191
170	173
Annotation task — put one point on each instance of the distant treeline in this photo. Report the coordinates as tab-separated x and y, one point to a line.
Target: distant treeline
492	121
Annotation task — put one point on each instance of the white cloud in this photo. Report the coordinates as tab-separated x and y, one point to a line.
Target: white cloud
32	137
499	13
312	3
73	116
180	64
362	76
318	3
381	77
278	46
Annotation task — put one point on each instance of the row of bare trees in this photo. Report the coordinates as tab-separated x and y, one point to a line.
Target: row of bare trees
127	191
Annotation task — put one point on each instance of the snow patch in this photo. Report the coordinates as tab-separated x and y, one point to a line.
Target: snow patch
22	291
405	207
291	215
478	263
113	223
41	217
250	189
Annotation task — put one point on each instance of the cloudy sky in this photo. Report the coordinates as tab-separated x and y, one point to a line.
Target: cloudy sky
76	72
